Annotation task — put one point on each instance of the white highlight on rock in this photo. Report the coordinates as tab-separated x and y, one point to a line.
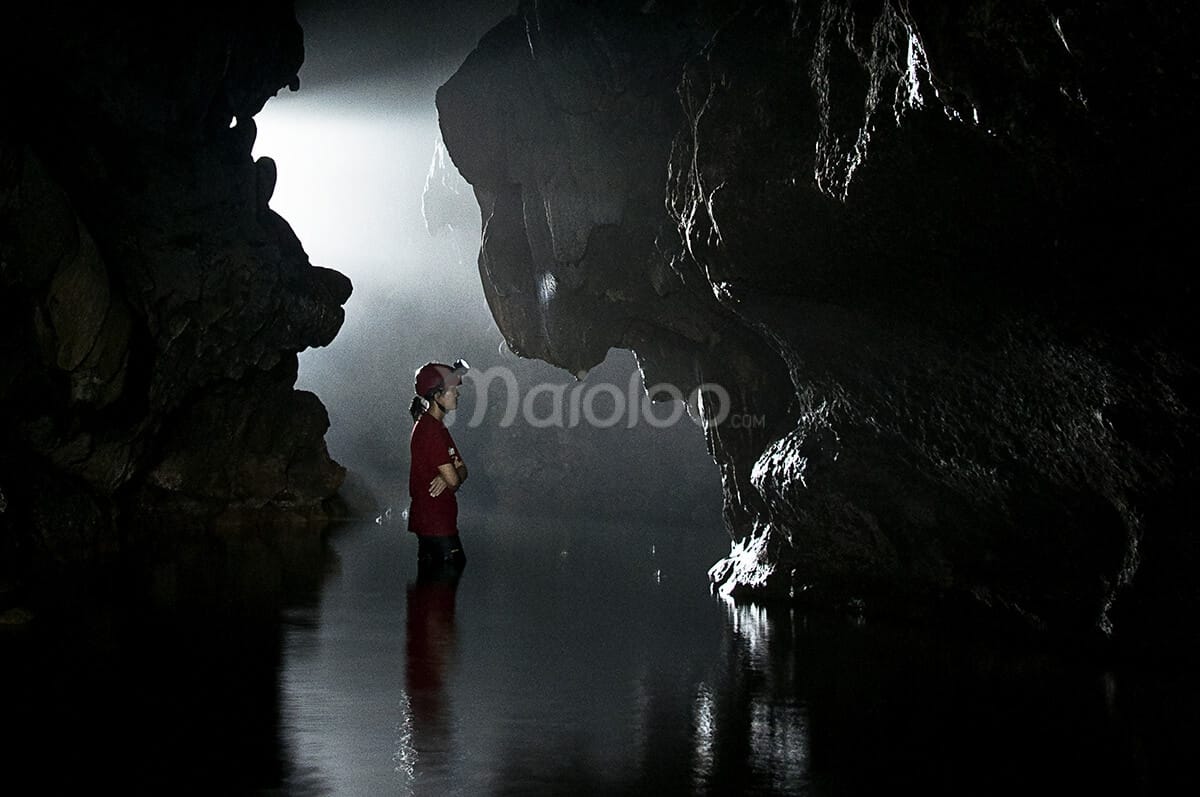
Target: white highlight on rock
748	564
917	62
547	288
1058	29
779	467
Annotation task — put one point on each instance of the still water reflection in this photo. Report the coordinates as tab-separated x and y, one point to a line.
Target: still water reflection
568	658
590	658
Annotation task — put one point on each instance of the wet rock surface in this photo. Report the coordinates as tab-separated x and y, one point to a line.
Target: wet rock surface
152	304
932	253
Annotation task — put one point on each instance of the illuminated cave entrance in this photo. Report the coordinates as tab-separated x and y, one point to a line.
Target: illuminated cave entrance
366	184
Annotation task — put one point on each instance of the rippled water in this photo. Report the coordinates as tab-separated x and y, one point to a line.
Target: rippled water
569	658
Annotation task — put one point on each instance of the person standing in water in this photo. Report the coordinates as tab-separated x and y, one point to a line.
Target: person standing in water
437	469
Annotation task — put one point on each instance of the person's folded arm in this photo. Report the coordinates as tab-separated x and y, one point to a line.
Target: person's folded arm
447	478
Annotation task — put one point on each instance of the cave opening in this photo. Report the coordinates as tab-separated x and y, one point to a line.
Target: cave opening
365	182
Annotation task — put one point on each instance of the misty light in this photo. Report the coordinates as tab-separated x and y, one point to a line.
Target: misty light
347	182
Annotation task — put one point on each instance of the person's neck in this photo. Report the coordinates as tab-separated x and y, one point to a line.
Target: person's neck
436	411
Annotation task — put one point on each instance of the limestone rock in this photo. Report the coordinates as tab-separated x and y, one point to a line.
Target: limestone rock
927	251
151	302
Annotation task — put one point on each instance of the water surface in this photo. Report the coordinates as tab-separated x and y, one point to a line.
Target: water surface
571	657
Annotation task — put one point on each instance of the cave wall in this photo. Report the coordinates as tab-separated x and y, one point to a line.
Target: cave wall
938	254
152	304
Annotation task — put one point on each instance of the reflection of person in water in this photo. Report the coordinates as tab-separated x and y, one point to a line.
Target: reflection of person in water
430	648
437	470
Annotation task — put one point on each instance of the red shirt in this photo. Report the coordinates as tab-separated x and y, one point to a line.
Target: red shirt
431	445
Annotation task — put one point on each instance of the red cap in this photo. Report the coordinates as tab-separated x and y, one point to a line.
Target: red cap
434	376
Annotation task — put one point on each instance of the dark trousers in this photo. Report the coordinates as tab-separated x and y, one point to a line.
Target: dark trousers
440	553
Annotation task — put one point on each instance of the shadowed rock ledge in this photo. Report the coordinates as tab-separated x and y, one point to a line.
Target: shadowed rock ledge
932	252
152	303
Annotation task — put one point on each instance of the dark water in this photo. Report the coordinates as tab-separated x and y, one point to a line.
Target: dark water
570	658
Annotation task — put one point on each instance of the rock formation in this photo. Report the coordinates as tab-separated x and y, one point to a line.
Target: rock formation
153	304
934	253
